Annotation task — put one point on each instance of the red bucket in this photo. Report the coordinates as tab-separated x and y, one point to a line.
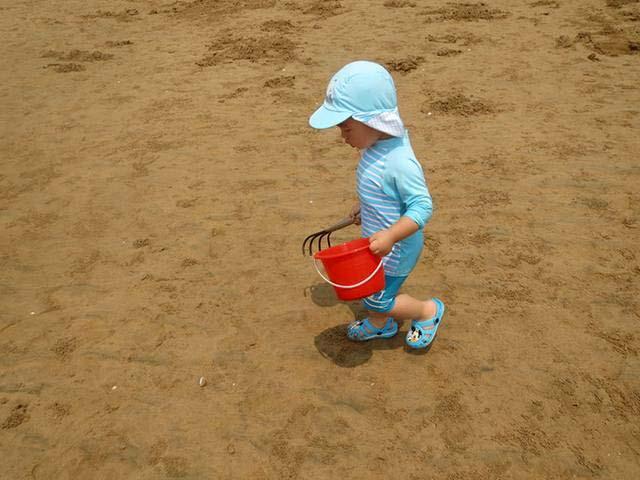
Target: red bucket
353	270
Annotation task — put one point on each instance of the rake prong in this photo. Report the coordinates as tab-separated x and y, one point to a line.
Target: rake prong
326	239
320	237
313	237
310	239
316	235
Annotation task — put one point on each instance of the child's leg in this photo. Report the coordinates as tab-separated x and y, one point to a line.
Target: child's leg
387	306
378	306
405	308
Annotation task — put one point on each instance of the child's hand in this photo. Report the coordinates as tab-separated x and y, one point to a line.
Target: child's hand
355	213
381	243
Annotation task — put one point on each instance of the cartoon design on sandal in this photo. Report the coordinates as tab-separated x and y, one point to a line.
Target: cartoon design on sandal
413	335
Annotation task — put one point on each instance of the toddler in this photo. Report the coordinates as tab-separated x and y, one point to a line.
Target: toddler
394	202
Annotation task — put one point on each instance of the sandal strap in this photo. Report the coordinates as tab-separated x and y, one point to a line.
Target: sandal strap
372	329
367	328
390	323
430	322
433	321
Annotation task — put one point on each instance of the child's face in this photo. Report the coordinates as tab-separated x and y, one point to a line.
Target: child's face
357	134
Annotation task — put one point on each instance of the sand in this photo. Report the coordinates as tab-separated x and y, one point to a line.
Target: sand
158	176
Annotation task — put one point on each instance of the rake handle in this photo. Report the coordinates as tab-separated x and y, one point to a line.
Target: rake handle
345	222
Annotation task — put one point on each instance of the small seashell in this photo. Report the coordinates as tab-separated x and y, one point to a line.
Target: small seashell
114	387
202	382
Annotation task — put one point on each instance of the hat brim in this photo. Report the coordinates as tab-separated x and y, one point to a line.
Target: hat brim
325	118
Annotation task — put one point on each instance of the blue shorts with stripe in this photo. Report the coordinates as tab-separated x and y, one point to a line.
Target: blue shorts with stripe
384	300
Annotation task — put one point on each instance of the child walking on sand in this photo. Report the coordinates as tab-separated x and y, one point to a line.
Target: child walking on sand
394	202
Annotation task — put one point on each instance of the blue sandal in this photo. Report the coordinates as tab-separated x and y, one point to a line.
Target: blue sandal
423	332
363	330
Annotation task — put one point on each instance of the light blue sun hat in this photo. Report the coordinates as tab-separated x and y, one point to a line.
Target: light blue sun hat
362	90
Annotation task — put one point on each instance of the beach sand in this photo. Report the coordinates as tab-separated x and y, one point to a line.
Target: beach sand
158	176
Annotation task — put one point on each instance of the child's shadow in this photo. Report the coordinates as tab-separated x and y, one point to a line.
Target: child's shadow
333	342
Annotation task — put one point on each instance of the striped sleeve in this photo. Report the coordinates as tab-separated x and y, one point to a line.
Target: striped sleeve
404	178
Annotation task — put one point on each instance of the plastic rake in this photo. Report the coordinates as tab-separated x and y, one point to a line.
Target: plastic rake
324	235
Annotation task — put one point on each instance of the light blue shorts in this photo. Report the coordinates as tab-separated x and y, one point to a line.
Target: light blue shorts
384	300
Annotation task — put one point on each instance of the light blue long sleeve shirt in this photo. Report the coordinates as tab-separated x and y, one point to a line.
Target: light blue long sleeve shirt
391	184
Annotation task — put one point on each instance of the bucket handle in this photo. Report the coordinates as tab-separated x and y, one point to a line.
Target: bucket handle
315	264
